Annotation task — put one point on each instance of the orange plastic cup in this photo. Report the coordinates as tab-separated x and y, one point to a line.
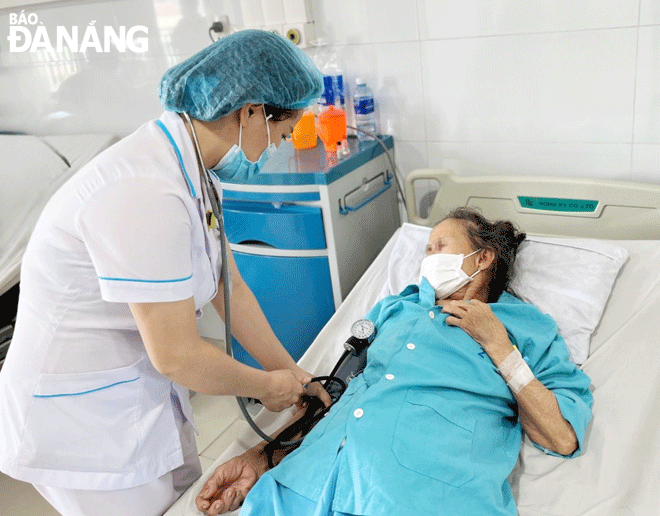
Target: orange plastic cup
331	128
304	133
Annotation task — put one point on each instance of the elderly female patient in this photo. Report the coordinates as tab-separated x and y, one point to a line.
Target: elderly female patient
458	370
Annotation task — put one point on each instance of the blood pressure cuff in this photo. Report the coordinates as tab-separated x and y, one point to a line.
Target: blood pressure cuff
346	369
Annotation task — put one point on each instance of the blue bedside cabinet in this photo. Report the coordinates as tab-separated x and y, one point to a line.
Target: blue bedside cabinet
303	231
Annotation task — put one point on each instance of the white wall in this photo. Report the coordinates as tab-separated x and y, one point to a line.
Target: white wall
516	87
480	86
103	92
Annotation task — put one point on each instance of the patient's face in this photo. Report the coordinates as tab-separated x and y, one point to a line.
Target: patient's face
449	237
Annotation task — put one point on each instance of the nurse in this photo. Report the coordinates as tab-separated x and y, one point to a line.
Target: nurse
94	390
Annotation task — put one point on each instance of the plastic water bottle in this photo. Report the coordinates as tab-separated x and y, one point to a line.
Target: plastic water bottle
365	116
333	78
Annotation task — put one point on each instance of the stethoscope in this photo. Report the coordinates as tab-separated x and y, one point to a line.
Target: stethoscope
216	207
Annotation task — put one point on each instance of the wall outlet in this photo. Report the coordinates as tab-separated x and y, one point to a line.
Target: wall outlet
220	26
300	34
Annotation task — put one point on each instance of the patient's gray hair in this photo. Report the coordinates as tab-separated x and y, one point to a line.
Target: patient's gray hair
501	236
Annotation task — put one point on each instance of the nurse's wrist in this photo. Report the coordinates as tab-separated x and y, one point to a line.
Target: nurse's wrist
263	384
278	361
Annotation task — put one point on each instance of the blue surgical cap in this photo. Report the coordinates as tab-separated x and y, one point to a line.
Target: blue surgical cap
250	66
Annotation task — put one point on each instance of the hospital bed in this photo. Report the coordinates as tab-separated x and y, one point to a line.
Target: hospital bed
598	240
32	168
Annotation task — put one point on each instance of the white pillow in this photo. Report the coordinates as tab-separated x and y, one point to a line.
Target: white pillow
406	257
569	279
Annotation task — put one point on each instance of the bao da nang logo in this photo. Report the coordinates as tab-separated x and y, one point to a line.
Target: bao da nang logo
28	34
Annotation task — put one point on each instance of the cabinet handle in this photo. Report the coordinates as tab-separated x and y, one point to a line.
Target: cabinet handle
256	243
345	209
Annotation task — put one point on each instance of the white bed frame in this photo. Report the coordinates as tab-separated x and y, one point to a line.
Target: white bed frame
613	209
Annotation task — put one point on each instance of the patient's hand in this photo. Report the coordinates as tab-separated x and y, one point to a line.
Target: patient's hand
311	388
226	489
316	389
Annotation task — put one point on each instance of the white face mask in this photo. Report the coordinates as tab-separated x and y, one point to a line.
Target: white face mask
445	274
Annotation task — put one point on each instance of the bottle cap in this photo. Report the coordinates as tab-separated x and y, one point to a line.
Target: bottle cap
360	81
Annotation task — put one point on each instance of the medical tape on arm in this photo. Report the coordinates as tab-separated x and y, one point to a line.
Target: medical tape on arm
516	372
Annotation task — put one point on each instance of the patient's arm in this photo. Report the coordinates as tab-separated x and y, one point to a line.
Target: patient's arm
543	421
226	489
539	411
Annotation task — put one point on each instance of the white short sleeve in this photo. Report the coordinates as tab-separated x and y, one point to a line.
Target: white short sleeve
138	234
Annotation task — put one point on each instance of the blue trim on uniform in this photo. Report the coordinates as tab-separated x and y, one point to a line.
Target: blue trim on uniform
83	392
178	155
146	280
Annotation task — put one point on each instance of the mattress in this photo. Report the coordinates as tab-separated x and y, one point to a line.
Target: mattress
32	169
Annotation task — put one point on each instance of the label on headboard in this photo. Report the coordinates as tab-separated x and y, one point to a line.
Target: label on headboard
556	204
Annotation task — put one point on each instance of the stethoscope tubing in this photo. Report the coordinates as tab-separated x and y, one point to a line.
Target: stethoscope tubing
216	207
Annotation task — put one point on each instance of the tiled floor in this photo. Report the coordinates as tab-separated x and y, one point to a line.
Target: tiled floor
219	422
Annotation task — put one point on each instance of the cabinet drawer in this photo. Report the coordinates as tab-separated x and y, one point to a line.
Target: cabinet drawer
283	226
295	294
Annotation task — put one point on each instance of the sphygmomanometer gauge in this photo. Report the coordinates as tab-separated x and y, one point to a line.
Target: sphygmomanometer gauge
363	329
363	332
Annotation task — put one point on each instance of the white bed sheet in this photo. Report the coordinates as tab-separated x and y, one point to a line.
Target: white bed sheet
619	472
31	173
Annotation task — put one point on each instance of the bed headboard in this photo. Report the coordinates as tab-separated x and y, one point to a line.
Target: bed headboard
587	208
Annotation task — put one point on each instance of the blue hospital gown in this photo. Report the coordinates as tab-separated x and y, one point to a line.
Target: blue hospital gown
431	427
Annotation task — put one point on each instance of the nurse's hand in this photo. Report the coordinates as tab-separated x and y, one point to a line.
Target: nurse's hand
226	489
314	389
285	389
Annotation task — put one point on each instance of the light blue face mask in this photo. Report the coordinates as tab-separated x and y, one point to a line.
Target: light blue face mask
234	166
